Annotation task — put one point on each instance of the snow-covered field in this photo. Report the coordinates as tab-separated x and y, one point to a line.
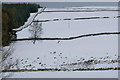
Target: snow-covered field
68	54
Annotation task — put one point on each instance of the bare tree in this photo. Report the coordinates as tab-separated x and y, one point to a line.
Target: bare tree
36	30
7	63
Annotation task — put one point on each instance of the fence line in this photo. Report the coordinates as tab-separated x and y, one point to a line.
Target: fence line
70	38
68	19
55	69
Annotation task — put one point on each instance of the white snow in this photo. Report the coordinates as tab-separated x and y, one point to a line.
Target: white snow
74	28
53	54
76	74
85	8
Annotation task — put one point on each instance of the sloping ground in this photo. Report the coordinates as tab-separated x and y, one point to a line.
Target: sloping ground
13	16
82	9
48	57
30	20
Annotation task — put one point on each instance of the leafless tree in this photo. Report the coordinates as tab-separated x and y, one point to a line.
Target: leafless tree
6	62
36	30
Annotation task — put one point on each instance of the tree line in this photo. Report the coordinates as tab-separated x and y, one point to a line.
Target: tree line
15	15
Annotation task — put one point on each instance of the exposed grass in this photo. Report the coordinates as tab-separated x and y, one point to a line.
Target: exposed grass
94	62
80	64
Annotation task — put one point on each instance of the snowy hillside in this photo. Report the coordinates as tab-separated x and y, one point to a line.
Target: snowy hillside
68	55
